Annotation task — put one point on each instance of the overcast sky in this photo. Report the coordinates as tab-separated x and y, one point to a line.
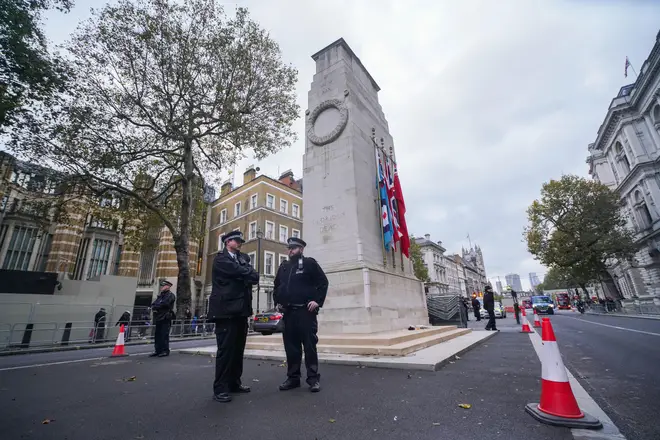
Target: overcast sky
486	100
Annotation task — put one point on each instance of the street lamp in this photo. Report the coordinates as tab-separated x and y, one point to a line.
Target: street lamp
260	235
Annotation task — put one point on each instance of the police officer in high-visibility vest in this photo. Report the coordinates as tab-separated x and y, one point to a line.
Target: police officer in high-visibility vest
299	291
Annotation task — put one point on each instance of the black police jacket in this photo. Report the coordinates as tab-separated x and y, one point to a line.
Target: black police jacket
299	281
163	307
231	295
489	301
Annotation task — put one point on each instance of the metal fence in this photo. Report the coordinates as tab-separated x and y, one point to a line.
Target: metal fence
627	308
29	326
446	309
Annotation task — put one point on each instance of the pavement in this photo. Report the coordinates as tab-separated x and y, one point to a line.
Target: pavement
166	398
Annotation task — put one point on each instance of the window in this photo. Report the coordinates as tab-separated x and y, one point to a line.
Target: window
47	242
223	216
621	157
295	210
100	258
282	259
3	203
284	233
221	245
643	212
270	230
295	233
284	206
253	201
270	201
253	259
20	248
237	209
269	263
252	231
115	270
80	259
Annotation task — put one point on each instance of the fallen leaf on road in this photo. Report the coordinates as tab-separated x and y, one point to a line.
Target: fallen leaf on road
452	362
465	405
396	418
47	421
409	376
139	436
332	420
131	379
282	365
255	380
436	424
458	357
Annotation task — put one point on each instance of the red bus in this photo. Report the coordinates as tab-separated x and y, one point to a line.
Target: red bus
563	301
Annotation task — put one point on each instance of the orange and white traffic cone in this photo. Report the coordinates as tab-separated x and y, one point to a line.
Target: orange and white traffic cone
558	406
119	345
537	322
525	323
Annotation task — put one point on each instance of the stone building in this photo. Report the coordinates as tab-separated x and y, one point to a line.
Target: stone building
456	275
434	260
626	157
475	269
268	212
82	247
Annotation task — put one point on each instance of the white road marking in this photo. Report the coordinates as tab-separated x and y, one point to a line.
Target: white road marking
48	364
619	328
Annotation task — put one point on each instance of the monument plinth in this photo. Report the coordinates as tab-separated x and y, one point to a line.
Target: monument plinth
370	290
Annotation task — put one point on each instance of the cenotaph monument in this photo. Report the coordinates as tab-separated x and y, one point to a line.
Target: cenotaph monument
371	290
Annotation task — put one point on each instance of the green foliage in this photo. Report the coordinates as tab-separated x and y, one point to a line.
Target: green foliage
419	268
577	226
558	278
28	73
164	95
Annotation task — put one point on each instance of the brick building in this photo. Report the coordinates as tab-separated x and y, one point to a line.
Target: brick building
267	211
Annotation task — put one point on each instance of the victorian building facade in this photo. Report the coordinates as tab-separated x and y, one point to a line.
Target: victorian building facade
267	211
434	260
626	157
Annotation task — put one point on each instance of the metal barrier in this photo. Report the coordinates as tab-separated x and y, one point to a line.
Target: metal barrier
446	309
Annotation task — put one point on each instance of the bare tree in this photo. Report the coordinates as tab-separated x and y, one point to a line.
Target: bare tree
165	95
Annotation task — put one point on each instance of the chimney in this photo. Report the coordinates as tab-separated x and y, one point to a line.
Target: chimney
286	178
249	175
427	236
225	188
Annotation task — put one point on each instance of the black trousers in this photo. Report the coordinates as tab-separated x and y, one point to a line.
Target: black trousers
491	320
300	329
162	336
230	335
477	314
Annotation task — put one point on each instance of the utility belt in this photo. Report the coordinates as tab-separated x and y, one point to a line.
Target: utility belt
295	306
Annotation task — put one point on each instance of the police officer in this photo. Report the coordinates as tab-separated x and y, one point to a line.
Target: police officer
163	309
230	305
300	289
489	305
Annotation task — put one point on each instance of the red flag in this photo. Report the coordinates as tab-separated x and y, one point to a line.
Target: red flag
401	205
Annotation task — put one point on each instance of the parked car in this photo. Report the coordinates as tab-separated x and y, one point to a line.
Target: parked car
268	322
543	304
500	312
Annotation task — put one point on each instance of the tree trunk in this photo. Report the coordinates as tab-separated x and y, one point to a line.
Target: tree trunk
584	289
182	240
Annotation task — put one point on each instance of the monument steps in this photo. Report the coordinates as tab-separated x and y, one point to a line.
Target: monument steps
397	343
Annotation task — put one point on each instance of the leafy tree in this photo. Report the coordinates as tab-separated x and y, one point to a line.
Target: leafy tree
419	268
576	227
164	95
28	73
558	278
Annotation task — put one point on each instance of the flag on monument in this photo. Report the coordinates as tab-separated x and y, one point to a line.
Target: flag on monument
625	70
385	212
396	234
401	211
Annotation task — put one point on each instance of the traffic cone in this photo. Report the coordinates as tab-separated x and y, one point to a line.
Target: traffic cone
558	406
537	322
525	323
119	345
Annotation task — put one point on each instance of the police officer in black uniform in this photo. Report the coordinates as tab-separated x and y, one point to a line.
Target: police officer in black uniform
230	305
299	291
163	309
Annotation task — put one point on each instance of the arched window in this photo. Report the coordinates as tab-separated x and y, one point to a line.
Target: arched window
621	157
643	213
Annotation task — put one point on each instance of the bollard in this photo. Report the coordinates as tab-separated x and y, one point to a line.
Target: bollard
67	334
27	336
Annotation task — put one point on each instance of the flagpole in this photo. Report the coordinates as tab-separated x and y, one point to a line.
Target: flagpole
380	210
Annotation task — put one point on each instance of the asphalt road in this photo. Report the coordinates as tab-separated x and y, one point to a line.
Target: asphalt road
619	367
170	398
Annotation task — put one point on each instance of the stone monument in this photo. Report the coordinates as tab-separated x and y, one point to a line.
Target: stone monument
371	290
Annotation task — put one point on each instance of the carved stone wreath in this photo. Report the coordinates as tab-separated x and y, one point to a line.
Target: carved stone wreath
334	134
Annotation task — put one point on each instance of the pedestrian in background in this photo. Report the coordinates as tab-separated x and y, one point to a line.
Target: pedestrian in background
125	319
230	306
299	291
489	305
163	310
476	307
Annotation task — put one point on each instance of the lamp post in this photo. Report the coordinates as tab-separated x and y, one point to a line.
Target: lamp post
260	235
